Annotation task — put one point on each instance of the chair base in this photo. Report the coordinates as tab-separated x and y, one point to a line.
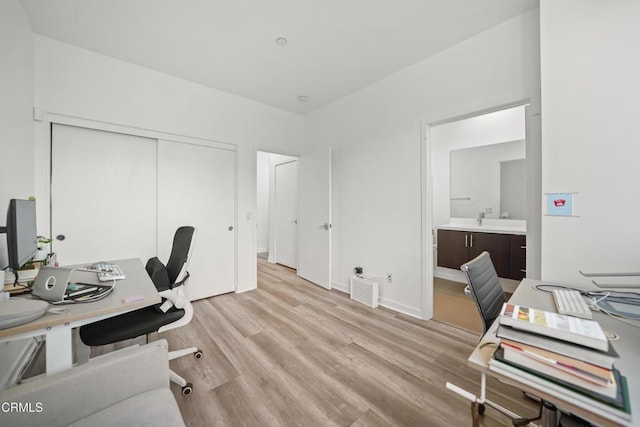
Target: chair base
179	353
187	387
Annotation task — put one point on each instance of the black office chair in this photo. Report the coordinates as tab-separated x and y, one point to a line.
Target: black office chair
487	293
485	288
175	311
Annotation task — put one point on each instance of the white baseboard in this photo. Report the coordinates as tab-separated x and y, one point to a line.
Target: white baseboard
243	290
271	260
338	286
400	308
449	274
384	302
263	250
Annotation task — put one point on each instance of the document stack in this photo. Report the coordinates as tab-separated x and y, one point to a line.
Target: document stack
567	356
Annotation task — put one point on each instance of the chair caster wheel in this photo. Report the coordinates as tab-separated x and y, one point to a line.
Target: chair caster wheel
198	354
186	390
481	409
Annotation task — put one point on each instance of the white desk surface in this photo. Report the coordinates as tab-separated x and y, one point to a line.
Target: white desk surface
137	283
627	346
57	327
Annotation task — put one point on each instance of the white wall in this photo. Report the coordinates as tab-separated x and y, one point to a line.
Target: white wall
513	184
16	141
376	137
590	132
16	103
80	83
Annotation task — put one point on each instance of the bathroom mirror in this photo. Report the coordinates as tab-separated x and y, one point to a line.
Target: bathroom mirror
489	179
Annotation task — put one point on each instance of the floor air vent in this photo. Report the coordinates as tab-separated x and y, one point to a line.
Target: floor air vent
364	291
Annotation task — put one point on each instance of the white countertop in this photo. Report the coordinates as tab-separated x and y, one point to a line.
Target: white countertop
504	226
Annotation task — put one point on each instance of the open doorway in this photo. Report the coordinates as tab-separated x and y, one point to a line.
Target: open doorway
469	169
277	209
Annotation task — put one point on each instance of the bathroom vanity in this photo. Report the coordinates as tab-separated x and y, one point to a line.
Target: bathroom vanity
459	243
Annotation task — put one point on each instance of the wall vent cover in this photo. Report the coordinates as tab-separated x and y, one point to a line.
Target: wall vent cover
364	291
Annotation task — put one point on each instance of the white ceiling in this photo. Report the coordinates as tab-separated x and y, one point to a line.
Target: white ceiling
335	47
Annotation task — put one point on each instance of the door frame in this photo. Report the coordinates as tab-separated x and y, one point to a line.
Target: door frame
426	186
271	232
275	210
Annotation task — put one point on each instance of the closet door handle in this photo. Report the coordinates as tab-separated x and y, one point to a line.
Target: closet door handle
471	241
466	238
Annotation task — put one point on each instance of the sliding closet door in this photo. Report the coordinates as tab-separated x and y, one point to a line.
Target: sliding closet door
103	195
197	186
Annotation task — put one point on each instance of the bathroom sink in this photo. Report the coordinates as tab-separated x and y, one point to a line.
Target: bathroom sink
487	227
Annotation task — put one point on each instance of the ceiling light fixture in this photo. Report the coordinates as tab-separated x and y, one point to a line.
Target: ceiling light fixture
281	41
303	98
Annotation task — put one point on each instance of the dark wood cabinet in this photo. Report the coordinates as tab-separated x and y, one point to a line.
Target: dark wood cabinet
453	248
457	247
517	256
498	247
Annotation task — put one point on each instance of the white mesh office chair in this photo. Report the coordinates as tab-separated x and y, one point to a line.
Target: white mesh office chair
176	310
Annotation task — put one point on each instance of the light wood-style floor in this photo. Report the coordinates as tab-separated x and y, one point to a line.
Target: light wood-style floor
293	354
451	305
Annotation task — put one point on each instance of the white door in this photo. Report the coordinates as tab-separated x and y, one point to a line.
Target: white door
103	195
286	212
197	186
314	217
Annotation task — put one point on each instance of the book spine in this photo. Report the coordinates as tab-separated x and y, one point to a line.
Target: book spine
552	369
616	415
567	363
585	354
555	333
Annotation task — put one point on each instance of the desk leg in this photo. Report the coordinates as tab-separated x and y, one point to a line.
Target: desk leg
59	349
549	414
83	351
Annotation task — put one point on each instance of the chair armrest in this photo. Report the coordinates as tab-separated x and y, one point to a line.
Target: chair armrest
175	297
177	300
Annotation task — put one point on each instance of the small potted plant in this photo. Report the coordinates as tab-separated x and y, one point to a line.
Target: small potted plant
43	250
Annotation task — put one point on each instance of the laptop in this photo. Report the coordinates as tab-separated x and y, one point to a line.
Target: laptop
51	283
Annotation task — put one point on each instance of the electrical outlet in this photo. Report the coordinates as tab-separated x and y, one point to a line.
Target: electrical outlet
389	277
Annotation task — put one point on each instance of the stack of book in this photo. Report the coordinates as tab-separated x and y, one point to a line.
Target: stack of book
567	356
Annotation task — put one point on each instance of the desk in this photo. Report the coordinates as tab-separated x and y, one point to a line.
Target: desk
57	328
627	346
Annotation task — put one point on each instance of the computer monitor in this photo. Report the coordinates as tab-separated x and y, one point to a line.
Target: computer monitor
22	239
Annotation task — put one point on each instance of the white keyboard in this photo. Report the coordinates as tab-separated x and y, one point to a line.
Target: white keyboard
570	302
108	271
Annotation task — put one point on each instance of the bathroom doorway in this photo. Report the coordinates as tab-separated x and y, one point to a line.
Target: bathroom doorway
465	158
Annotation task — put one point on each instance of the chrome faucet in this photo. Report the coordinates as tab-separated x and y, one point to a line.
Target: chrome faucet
480	218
